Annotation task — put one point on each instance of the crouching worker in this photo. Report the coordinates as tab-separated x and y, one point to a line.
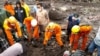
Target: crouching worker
53	29
11	25
32	27
78	32
14	50
95	44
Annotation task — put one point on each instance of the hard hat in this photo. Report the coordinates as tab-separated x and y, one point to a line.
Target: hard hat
75	29
51	25
11	19
34	22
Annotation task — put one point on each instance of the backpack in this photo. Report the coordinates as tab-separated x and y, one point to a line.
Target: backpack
3	15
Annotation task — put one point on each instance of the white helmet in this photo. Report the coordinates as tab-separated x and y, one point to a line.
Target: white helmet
33	22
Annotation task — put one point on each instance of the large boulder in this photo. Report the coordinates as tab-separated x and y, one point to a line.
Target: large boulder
56	15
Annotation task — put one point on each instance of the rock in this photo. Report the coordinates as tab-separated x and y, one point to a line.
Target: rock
55	15
46	5
63	8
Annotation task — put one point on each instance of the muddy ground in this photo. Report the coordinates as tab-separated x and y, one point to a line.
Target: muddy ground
89	13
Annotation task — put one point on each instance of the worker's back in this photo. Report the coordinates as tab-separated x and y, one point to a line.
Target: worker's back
85	29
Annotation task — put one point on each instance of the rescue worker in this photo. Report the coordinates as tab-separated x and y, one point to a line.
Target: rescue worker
9	7
72	20
9	25
78	32
95	44
32	27
26	7
53	29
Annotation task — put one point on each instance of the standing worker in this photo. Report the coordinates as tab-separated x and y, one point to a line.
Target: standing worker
42	16
78	32
9	8
72	20
19	12
26	7
53	29
32	27
10	25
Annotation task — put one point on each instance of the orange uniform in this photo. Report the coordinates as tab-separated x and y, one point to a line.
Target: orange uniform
74	38
7	27
10	9
27	22
56	30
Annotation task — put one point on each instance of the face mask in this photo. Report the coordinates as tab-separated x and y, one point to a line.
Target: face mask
39	9
74	18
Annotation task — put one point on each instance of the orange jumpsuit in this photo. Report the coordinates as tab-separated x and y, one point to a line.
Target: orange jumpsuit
8	26
10	9
27	22
74	38
56	31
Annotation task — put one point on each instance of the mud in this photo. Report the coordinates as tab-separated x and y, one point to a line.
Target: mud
85	11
